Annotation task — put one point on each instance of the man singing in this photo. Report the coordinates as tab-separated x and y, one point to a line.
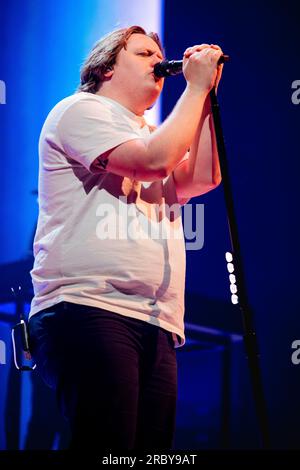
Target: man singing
109	270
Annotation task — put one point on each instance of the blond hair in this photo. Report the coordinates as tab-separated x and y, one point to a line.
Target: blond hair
104	54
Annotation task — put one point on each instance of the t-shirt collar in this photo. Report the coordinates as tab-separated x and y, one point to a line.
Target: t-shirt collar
139	119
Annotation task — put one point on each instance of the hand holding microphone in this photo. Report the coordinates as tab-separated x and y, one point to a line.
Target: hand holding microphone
201	66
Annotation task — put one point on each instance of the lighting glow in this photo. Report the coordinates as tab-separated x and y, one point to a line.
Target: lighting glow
230	267
233	288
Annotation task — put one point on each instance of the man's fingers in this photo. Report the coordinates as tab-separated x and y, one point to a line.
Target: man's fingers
190	50
202	47
214	54
215	46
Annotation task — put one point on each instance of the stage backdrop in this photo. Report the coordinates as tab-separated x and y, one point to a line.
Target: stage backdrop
42	47
261	114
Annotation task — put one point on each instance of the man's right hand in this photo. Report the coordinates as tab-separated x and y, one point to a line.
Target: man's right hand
200	66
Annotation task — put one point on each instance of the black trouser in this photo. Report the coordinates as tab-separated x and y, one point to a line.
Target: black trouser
115	376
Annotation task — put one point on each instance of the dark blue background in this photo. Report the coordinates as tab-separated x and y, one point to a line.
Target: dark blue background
261	128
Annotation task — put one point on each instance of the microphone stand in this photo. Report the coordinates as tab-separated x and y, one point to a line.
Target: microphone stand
250	340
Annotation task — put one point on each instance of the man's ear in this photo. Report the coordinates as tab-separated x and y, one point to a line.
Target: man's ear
109	72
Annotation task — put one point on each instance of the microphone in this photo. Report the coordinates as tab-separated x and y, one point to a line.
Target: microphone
167	68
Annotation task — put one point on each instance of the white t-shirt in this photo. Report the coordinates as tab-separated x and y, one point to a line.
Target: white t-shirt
100	240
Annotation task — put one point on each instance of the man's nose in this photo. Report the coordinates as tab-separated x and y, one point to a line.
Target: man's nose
155	60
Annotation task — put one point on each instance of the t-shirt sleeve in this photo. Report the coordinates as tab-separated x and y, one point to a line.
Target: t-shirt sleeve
88	128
